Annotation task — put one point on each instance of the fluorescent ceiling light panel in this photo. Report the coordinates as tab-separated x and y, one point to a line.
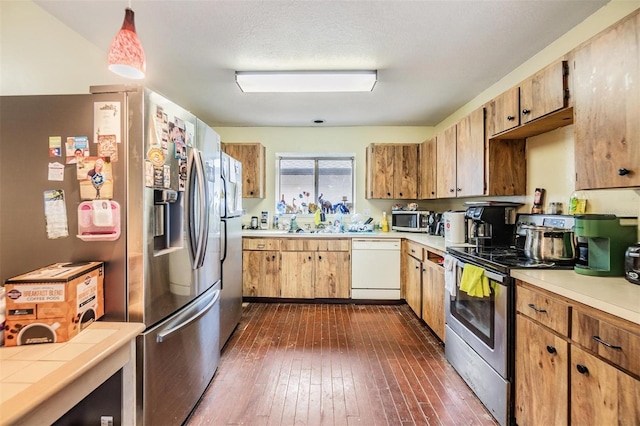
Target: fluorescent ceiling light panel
306	81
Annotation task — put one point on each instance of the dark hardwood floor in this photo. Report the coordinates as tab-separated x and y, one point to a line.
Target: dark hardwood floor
335	364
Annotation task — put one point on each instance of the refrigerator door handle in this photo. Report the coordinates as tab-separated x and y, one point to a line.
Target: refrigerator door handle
225	211
191	201
204	214
199	254
164	334
223	240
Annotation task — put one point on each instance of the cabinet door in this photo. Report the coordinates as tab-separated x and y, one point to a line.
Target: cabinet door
333	275
413	285
542	360
503	111
297	274
252	157
446	163
544	92
470	155
380	171
427	170
261	273
405	172
601	394
607	107
433	297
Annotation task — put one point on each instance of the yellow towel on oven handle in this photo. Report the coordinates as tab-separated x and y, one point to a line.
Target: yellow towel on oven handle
474	282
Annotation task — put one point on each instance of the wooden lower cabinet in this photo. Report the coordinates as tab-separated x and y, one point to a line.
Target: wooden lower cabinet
433	309
261	273
332	275
296	268
297	273
541	375
585	374
413	285
600	393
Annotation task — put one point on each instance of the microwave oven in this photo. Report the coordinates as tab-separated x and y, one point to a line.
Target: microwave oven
410	221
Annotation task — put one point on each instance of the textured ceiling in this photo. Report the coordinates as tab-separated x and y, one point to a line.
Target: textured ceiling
432	56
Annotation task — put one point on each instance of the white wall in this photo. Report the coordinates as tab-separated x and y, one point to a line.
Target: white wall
40	55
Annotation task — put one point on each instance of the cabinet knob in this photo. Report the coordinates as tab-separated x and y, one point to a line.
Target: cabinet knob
309	257
319	257
525	111
623	172
510	117
450	189
458	189
401	194
582	369
388	194
251	192
551	349
417	267
433	193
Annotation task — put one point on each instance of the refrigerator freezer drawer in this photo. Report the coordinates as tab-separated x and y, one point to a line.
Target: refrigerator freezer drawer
177	359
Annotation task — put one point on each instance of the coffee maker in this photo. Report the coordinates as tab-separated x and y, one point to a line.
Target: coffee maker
491	224
607	237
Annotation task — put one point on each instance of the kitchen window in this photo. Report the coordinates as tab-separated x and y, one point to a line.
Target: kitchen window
306	182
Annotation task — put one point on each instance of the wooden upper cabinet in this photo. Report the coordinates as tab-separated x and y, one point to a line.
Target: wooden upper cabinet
470	155
504	111
392	171
460	158
446	163
607	107
427	170
544	92
405	169
252	156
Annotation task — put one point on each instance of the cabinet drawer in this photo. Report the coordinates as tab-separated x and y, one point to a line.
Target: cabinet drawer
415	250
260	244
618	343
544	309
313	244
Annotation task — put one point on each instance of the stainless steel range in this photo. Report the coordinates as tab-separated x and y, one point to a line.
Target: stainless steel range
481	328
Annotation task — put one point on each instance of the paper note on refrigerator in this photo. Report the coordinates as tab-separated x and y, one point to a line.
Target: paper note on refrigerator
55	213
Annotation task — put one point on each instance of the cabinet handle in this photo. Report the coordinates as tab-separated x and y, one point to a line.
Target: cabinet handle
623	172
510	117
260	246
582	369
607	344
538	310
551	349
525	111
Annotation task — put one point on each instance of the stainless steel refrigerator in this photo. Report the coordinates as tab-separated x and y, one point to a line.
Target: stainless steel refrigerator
231	299
153	217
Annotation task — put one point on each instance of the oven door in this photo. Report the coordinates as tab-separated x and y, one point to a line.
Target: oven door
482	322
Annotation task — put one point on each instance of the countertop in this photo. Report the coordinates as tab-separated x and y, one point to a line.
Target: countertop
432	241
32	375
613	295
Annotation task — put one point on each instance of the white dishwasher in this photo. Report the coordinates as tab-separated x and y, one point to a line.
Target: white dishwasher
375	268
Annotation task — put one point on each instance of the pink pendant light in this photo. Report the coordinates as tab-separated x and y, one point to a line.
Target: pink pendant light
126	56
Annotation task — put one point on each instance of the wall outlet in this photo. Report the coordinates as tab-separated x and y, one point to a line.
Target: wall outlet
106	420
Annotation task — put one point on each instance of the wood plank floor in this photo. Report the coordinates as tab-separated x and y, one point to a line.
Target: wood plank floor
335	364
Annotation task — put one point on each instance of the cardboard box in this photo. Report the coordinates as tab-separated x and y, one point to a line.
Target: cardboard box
54	303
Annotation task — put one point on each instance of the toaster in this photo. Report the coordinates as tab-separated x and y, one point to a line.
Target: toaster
632	264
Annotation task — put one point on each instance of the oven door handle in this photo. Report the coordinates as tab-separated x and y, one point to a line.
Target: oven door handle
491	275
